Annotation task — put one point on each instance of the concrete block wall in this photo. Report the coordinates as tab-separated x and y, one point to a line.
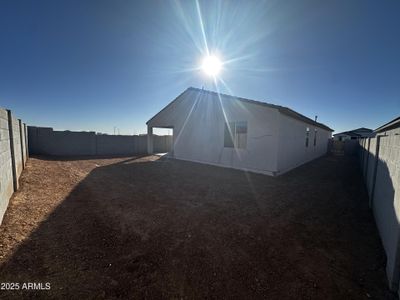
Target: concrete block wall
13	156
70	143
162	143
6	173
118	145
141	143
46	141
346	147
380	161
64	143
350	147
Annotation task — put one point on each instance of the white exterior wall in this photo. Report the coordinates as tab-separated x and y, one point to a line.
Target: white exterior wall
199	131
292	143
275	142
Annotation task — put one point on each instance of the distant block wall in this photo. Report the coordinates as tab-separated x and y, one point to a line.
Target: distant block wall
161	143
120	144
46	141
13	156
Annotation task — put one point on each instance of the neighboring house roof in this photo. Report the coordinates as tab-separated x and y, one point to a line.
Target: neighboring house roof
356	132
390	125
349	133
283	110
363	129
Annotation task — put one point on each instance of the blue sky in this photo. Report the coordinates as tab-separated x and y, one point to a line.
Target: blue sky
93	65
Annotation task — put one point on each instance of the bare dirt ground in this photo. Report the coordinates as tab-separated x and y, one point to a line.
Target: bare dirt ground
166	229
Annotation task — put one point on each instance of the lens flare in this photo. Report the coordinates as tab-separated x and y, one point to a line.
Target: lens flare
211	65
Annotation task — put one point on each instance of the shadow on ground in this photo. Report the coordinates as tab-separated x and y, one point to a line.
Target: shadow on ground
159	228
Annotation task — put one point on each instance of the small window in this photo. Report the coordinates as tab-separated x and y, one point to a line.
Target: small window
241	134
307	135
229	134
315	136
235	135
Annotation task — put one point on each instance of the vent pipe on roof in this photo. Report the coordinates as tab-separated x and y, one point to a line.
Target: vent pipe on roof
316	117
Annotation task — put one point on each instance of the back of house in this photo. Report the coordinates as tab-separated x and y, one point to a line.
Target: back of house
228	131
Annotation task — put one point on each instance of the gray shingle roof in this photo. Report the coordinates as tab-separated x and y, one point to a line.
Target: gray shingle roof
282	109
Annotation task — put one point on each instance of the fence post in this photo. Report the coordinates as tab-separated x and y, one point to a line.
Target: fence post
378	141
13	165
150	140
22	144
26	141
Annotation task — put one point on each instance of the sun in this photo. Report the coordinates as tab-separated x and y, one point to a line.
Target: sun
211	65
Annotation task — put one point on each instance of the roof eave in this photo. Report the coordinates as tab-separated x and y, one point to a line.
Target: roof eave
388	125
168	105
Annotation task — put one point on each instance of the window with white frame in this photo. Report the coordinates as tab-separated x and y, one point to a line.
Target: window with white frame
235	135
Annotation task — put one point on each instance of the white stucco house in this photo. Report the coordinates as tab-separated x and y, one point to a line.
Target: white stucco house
228	131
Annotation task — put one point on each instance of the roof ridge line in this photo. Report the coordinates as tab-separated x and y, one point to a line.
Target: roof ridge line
280	108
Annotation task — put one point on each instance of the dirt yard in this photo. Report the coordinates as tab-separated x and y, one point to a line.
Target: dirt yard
164	229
